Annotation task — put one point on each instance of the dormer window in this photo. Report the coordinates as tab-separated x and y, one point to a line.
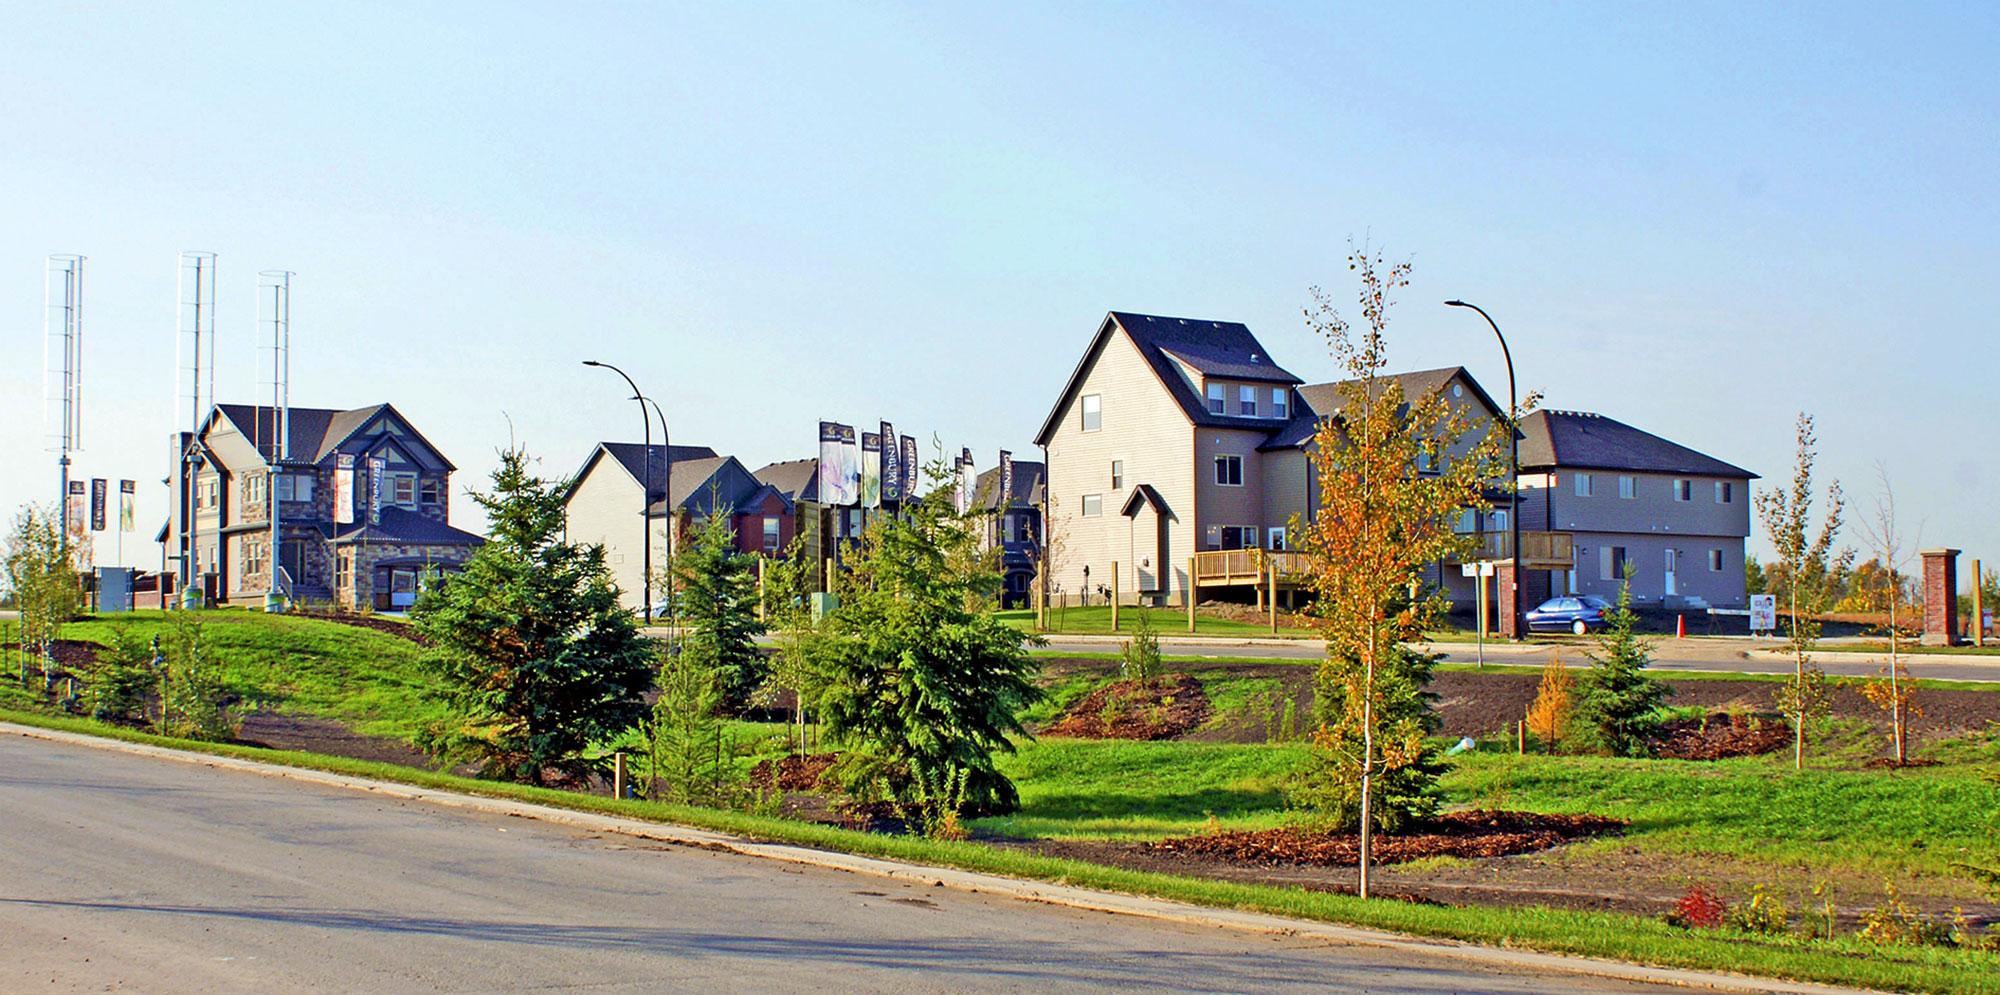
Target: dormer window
1218	401
1281	406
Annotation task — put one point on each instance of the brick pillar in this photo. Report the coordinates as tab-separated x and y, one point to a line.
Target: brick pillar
1940	597
1503	597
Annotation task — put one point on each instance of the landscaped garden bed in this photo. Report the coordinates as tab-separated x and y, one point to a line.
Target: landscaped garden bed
1722	735
1162	708
1472	833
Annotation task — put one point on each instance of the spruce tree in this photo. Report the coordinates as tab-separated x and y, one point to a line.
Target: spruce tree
922	679
716	607
1619	698
533	657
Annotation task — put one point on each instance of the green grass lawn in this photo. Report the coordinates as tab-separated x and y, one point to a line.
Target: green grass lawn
306	666
1096	621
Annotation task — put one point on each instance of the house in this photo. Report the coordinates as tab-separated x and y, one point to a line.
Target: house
1677	518
608	503
1014	528
362	502
1178	440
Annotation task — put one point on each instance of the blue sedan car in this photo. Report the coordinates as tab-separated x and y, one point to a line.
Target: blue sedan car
1578	614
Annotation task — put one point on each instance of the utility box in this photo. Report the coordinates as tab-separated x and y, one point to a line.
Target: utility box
114	589
823	603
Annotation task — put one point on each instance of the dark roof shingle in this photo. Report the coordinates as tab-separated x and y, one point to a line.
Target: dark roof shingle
1583	440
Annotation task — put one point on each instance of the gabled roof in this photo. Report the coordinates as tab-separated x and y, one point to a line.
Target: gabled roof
402	525
1213	348
630	456
700	484
1027	487
1325	400
1587	441
796	479
315	432
1142	495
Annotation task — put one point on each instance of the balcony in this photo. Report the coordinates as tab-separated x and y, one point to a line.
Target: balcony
1539	550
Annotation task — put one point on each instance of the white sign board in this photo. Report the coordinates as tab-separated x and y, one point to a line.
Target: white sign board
1763	612
1483	568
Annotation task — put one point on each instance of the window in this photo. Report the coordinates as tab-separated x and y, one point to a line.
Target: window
343	570
771	533
1725	492
295	487
1468	522
1611	562
1217	403
430	492
1093	412
1277	539
1683	490
1715	561
1628	488
1232	536
1281	403
1093	505
1246	401
253	488
1425	464
253	556
1497	522
402	490
1118	475
1229	471
1583	487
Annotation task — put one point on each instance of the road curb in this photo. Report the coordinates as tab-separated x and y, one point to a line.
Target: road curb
969	881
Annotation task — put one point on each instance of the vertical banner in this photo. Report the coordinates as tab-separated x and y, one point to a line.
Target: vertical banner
100	491
128	498
892	466
850	465
910	468
1006	480
871	470
962	482
73	508
378	467
343	488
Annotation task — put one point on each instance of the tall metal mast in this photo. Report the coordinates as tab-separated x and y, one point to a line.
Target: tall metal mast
195	351
274	305
62	371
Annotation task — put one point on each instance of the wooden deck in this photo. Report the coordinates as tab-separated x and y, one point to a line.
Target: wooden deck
1228	567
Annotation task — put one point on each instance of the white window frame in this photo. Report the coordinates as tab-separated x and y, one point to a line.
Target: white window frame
774	533
1583	485
1683	489
1118	475
1218	399
1246	401
1092	506
1611	562
1091	407
1628	486
1276	538
396	484
1715	561
1228	460
1725	492
1281	403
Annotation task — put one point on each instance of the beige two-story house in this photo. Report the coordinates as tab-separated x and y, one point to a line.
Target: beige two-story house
1677	518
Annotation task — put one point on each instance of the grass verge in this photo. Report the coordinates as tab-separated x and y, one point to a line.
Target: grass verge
1621	937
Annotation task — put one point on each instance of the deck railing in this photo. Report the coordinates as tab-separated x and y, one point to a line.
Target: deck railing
1539	551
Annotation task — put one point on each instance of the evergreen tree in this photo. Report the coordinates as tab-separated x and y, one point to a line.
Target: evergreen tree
1618	697
716	606
690	761
790	580
533	657
918	678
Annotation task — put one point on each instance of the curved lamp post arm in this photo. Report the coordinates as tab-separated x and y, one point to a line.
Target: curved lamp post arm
645	524
1514	468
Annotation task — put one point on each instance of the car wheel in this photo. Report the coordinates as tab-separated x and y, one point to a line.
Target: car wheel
1579	627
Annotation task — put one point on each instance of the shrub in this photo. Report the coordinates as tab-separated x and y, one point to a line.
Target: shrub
1619	701
689	759
1549	716
1894	922
122	678
194	701
1763	913
1699	908
1140	659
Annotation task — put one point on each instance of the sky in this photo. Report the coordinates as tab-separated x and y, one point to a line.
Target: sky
1697	218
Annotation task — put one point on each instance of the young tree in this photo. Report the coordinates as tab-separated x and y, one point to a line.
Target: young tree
917	679
1895	693
42	578
194	700
790	580
689	757
1618	696
1379	524
1548	717
533	656
1812	572
715	589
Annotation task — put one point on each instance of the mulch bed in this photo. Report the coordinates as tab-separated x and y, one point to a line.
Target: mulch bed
1891	763
390	626
69	653
1475	833
792	773
1163	708
1722	735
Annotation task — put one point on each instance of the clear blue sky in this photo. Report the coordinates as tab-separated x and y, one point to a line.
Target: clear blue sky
1696	218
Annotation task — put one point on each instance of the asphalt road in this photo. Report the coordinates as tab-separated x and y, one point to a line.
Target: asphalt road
1740	656
131	873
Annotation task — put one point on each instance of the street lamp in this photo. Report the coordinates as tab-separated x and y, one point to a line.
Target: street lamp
666	489
1514	467
646	500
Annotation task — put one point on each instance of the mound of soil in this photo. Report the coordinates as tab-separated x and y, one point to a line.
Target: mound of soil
792	773
390	626
1891	763
1163	708
1476	833
1722	735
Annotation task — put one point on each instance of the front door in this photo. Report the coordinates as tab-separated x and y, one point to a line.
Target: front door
1672	587
293	560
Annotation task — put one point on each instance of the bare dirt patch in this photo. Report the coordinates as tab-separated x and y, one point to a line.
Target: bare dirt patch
275	731
70	654
399	629
1162	708
1475	833
792	773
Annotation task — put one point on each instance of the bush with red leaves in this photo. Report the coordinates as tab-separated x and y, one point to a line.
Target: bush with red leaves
1700	908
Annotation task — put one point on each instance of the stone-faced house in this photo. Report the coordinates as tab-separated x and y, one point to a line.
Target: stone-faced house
606	502
1014	528
362	501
